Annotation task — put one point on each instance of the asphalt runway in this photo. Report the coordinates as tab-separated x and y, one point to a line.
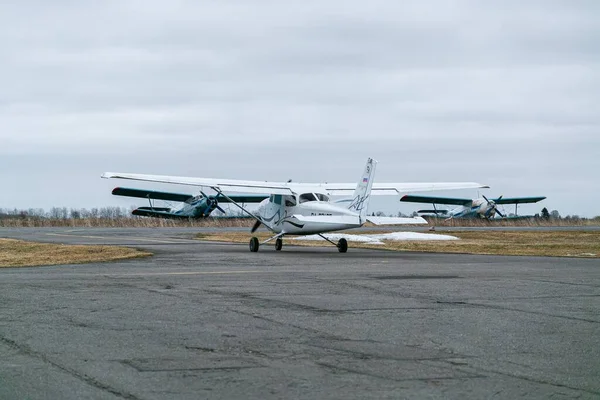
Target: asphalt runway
206	320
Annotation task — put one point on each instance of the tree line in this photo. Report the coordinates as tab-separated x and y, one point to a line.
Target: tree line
118	213
64	213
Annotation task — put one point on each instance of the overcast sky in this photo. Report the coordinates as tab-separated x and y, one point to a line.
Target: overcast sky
501	92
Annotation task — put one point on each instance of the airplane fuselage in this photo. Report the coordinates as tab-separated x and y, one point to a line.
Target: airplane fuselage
292	214
479	208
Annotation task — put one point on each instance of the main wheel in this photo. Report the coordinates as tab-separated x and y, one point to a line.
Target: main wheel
278	244
342	245
254	244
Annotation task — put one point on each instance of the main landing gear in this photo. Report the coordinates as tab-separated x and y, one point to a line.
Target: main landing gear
342	244
255	244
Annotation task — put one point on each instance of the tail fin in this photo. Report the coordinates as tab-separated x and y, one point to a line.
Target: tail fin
360	199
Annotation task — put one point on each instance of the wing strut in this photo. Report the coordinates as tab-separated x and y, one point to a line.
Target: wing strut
256	217
150	201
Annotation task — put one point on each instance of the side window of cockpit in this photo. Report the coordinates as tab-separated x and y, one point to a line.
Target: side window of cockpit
276	199
307	197
290	201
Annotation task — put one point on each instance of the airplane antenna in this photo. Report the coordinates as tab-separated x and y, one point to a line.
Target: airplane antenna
289	180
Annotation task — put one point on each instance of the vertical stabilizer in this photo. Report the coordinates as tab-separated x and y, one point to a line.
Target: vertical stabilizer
360	199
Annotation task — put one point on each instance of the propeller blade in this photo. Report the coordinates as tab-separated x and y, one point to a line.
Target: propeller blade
255	226
220	209
499	213
486	199
499	198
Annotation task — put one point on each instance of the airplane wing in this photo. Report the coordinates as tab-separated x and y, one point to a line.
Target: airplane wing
382	189
436	200
518	200
151	194
396	221
334	189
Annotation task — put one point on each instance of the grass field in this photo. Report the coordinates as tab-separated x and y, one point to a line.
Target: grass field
518	243
18	253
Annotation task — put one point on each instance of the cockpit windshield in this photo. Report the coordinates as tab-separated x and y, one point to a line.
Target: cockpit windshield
322	197
290	201
307	197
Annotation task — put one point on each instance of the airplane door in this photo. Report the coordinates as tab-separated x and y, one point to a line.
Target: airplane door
275	209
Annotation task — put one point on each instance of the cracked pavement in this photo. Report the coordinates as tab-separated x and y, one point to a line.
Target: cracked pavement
208	320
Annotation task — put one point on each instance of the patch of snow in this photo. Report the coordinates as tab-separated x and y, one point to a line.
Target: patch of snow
377	239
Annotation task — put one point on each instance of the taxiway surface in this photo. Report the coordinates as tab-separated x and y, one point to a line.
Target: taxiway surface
206	320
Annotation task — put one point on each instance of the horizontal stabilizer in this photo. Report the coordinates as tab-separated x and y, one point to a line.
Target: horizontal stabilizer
150	194
396	221
518	200
436	200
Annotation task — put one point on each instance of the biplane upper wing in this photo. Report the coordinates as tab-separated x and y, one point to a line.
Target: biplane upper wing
168	196
242	186
436	200
518	200
151	194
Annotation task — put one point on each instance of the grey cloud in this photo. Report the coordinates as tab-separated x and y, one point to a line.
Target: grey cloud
505	93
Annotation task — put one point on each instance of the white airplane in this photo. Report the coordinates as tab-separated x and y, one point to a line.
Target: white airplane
305	208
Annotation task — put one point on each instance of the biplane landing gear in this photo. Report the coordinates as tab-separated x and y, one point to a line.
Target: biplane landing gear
342	245
278	244
254	245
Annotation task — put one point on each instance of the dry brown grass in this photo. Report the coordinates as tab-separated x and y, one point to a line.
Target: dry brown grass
18	253
518	243
136	222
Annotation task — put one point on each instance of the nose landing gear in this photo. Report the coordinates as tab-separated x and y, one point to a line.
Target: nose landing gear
254	245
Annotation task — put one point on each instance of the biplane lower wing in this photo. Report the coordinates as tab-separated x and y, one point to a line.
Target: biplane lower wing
158	213
432	211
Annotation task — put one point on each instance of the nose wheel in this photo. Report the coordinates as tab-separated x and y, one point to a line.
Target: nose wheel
254	245
278	244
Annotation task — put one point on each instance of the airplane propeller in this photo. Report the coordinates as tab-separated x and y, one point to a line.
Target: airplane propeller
212	203
494	206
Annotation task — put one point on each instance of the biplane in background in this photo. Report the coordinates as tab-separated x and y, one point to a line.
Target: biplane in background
305	208
483	207
194	207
